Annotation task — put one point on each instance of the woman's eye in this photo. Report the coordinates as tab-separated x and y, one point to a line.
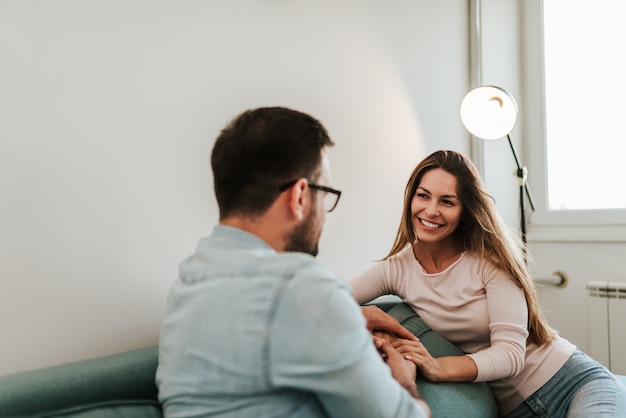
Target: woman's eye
422	195
448	203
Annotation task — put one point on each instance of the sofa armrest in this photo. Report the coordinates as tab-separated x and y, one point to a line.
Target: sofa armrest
122	383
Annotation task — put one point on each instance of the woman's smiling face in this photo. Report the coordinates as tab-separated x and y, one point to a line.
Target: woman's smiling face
436	209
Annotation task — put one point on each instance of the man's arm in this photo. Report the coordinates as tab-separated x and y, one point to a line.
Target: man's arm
320	345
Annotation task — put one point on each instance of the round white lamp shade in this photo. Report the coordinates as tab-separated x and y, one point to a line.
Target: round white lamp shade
489	112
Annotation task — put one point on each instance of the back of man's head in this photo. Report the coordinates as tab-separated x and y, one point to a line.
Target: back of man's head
261	150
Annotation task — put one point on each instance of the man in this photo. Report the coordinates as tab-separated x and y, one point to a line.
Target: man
255	327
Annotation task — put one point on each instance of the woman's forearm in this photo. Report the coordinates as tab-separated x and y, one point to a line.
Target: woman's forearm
456	369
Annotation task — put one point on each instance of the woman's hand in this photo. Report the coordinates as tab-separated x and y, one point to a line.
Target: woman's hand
379	320
413	351
442	369
419	355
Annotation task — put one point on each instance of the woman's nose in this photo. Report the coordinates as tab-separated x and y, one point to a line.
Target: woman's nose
432	209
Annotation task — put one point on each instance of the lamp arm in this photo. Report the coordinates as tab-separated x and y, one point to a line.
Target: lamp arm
519	166
529	196
521	174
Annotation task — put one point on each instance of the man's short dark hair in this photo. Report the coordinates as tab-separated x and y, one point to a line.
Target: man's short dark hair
261	150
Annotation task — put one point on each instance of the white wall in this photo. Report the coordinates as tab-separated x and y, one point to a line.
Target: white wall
108	114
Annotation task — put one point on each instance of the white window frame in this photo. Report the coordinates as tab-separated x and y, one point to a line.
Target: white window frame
546	224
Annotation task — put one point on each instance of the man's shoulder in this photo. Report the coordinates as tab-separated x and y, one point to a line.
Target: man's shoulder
303	265
315	287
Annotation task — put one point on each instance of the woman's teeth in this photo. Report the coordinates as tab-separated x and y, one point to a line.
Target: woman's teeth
429	224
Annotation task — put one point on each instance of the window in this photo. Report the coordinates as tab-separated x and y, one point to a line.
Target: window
585	89
576	124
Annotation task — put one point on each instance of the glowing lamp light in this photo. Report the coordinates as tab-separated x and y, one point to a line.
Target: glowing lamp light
489	112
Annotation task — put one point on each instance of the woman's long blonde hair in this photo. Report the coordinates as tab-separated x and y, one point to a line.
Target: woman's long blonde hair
481	230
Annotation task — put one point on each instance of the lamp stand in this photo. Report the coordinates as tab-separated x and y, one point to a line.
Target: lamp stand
522	175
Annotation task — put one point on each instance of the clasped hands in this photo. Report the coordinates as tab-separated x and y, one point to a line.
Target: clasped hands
401	350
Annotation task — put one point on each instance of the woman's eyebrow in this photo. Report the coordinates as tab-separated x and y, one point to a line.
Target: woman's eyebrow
446	196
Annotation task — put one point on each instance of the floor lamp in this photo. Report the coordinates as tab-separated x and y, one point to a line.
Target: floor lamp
490	113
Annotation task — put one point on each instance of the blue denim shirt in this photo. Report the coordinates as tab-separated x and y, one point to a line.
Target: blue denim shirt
250	332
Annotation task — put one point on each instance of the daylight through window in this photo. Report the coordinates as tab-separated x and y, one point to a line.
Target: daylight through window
585	97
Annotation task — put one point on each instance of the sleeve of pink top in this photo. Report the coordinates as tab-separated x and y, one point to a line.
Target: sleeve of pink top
371	283
508	318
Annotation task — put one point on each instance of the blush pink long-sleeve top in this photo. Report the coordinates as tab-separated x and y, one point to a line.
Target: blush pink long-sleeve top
475	306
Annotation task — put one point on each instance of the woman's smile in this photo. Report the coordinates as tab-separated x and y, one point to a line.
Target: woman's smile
428	224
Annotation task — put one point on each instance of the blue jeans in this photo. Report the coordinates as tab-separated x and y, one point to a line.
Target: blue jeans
582	388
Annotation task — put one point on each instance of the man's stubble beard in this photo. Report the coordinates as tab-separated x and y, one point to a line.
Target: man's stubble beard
305	237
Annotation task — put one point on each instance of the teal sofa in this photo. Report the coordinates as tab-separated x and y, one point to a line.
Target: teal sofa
122	385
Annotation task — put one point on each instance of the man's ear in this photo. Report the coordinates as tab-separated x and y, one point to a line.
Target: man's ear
299	199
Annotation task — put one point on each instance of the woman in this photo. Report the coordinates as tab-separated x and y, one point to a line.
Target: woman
457	265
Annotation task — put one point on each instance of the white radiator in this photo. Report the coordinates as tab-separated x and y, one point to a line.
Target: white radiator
607	320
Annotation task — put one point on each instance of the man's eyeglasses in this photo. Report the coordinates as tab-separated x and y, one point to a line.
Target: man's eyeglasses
331	196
